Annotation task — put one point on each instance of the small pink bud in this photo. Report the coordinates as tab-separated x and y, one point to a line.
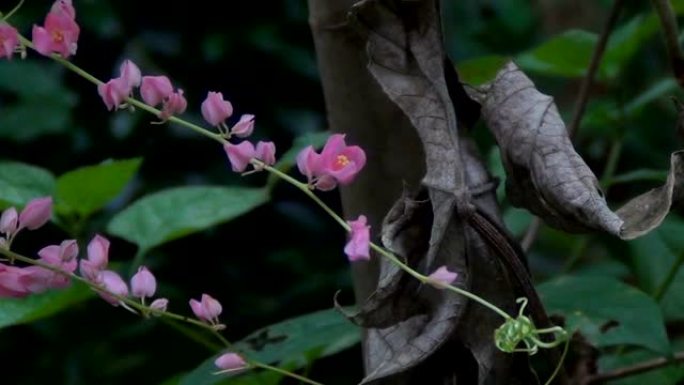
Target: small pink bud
230	362
239	155
208	309
90	271
130	73
308	162
175	104
36	213
114	93
244	127
215	110
68	250
112	283
9	39
9	221
359	242
160	304
265	152
441	278
12	282
154	89
143	283
60	35
98	252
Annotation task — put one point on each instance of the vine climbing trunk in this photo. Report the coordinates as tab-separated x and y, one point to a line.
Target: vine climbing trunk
388	84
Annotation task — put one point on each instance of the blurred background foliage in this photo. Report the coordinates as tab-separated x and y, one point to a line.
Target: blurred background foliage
167	197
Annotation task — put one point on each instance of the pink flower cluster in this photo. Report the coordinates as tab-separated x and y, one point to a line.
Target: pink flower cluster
154	90
336	164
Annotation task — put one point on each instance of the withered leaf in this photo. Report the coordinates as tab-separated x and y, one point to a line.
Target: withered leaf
407	322
547	176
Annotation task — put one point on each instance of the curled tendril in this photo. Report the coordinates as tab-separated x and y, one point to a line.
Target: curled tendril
511	333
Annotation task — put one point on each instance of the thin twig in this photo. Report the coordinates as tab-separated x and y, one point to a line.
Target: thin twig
581	103
634	369
668	21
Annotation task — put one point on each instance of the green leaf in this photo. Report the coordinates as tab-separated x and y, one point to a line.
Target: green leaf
15	311
20	182
480	70
174	213
292	343
653	257
593	304
90	188
669	375
567	54
289	158
641	175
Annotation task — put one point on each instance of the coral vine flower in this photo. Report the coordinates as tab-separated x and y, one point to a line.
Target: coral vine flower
442	277
39	279
207	309
115	92
244	127
337	163
175	104
143	283
241	154
64	7
230	362
60	34
9	39
112	283
36	213
358	247
9	221
215	109
98	258
154	89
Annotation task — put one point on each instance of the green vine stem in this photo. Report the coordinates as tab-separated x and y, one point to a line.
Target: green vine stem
146	310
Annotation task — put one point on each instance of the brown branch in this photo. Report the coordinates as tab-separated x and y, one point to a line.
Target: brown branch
635	369
668	21
581	102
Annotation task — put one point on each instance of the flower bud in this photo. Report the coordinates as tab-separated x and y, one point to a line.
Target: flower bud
9	221
230	361
265	152
441	277
9	39
130	73
244	127
143	283
175	104
239	155
215	110
208	309
154	89
36	213
112	283
160	304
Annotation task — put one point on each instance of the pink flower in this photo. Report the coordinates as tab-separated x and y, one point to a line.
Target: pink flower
9	221
160	304
155	89
244	127
60	35
98	258
175	104
143	283
208	309
38	279
112	283
337	163
215	110
11	282
239	155
265	152
130	73
36	213
441	277
9	39
114	93
230	362
359	242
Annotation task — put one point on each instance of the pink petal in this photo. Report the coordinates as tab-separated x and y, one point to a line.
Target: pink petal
68	250
230	361
212	308
358	247
215	110
36	213
9	38
239	155
160	304
143	283
198	310
112	283
442	277
308	162
42	41
65	7
114	93
98	252
154	89
9	221
265	152
130	74
175	104
244	127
